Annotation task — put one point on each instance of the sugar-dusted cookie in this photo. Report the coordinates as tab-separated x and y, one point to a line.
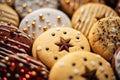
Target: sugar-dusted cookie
8	2
41	20
88	14
8	15
70	6
104	37
24	7
116	62
22	67
13	41
81	65
53	44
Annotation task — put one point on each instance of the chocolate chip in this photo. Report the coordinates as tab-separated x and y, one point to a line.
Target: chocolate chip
64	32
100	63
47	49
106	75
55	58
82	47
70	77
73	64
77	38
85	59
53	34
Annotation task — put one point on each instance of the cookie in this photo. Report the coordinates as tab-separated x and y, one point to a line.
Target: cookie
117	9
8	15
41	20
81	65
22	67
53	44
116	62
104	37
70	6
13	41
8	2
24	7
84	18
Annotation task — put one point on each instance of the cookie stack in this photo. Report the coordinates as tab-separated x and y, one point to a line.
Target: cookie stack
59	40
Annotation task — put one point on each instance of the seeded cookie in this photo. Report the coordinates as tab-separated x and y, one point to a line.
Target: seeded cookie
53	44
104	37
24	7
8	15
70	6
13	41
41	20
8	2
81	65
84	18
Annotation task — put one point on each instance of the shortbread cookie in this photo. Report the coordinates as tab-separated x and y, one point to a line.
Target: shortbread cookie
104	37
8	2
14	41
22	67
81	65
70	6
88	14
24	7
117	9
41	20
53	44
8	15
116	62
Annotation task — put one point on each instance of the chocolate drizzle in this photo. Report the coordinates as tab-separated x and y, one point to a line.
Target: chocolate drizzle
90	74
64	44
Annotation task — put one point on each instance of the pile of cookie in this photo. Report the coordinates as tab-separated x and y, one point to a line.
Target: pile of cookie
59	40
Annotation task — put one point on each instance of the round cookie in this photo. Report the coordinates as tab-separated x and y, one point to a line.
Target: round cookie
13	41
116	62
53	44
8	15
22	67
41	20
117	9
24	7
84	18
70	6
81	65
104	37
8	2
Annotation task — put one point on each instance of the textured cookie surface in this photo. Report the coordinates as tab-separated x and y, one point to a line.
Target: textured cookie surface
84	18
116	62
53	44
104	37
81	66
8	15
70	6
13	41
8	2
24	7
41	20
22	67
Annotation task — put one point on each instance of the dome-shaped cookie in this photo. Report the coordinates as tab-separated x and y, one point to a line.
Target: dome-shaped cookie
13	41
41	20
53	44
81	65
22	67
84	18
104	37
8	15
24	7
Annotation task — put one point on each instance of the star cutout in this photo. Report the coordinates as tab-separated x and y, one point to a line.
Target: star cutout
64	44
90	75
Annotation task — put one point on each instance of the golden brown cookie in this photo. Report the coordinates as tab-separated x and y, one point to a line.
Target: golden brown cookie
70	6
8	2
81	66
53	44
84	18
8	15
104	37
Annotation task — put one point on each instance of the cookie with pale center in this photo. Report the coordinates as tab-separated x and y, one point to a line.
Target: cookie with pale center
82	65
53	44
